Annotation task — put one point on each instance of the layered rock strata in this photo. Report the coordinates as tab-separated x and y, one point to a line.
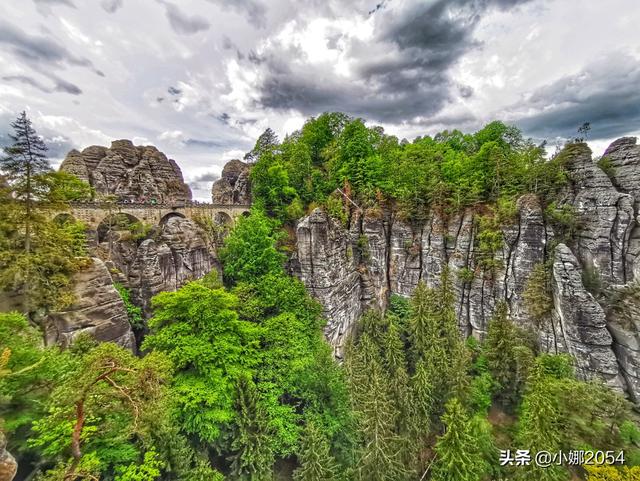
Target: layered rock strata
130	173
97	310
233	187
352	268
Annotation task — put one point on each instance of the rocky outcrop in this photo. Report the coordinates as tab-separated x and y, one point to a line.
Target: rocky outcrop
131	173
326	265
175	254
605	216
352	268
97	310
579	322
233	187
8	464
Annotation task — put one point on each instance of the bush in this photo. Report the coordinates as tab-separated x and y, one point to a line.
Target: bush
607	166
537	293
134	313
564	221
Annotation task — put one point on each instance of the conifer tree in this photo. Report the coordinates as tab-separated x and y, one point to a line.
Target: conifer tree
540	425
458	457
316	462
421	410
23	162
380	455
506	358
422	321
253	457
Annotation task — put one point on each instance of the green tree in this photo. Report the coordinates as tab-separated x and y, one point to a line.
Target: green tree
24	161
458	457
249	251
199	330
267	142
314	456
252	457
380	457
100	410
504	360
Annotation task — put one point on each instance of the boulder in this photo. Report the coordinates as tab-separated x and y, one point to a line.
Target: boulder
97	310
131	173
233	187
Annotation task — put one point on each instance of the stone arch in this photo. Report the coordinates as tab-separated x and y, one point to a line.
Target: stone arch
171	215
222	218
117	222
64	218
246	213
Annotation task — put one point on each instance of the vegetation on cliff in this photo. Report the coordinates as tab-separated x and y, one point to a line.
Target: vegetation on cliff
235	380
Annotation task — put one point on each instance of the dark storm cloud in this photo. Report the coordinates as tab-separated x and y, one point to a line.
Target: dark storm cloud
111	6
60	84
38	50
255	11
605	94
207	177
24	79
204	143
401	74
182	23
68	3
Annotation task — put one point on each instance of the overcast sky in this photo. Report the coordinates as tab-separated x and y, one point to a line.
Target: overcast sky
201	79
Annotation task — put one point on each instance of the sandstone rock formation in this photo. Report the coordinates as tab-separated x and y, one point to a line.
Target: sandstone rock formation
350	269
98	310
8	464
233	186
132	173
175	254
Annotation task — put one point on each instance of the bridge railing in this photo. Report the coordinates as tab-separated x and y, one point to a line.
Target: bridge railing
156	205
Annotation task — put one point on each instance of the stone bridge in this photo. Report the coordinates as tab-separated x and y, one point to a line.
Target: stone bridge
94	213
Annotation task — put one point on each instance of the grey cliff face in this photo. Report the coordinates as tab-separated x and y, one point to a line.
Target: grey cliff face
233	187
97	310
132	173
176	254
605	216
350	269
579	322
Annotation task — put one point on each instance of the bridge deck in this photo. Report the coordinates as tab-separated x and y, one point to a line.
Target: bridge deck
93	213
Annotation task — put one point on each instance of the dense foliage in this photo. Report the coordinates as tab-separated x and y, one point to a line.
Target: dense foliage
38	253
450	170
234	379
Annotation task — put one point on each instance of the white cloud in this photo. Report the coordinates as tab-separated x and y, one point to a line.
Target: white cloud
338	48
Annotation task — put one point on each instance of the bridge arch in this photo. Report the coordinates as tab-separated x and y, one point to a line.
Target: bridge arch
222	218
171	215
64	218
117	222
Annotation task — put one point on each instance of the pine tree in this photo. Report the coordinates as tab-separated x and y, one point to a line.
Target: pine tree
505	356
457	354
540	425
421	410
422	321
458	457
24	161
316	462
267	141
253	457
380	455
